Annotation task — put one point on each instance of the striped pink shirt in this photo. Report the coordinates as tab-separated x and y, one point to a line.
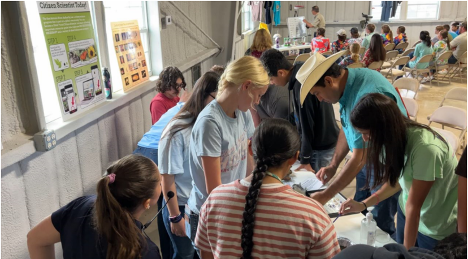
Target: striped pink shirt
287	224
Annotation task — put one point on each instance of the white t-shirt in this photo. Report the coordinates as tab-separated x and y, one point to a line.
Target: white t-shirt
173	159
217	135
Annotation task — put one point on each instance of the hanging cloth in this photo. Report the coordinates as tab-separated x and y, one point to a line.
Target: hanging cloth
394	7
386	9
257	9
267	7
277	12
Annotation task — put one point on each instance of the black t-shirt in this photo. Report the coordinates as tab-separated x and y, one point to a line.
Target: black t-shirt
461	168
79	238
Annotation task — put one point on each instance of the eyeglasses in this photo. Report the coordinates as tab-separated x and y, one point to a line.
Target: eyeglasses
181	85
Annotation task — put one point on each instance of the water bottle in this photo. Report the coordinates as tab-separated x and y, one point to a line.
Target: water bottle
107	82
368	230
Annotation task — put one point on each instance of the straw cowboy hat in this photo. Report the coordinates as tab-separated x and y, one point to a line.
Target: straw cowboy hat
313	69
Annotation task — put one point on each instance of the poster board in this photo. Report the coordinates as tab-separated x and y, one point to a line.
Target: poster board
296	27
130	53
69	36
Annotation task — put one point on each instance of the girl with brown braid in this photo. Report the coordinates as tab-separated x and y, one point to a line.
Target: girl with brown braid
105	225
275	222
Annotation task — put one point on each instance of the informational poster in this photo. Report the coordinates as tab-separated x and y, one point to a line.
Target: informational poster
130	54
69	37
296	27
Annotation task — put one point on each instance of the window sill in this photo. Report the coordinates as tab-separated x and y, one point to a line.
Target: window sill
22	146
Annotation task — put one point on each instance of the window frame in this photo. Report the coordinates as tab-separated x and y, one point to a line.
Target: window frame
426	18
376	20
404	12
247	12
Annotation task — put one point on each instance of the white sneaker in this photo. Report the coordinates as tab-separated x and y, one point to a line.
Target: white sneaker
443	72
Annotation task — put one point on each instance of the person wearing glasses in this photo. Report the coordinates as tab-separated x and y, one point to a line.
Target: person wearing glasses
105	225
173	156
169	84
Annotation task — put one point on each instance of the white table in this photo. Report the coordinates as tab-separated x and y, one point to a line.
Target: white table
348	226
292	47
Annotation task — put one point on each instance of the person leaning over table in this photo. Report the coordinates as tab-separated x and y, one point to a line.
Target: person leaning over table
330	83
319	20
418	161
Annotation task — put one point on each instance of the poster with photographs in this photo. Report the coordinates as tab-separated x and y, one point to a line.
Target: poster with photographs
130	54
72	55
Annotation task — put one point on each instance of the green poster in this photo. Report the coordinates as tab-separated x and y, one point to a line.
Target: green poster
69	36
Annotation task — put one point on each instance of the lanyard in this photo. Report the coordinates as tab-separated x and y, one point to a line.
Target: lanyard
274	176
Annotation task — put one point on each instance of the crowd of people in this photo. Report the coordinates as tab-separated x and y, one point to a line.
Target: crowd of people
215	159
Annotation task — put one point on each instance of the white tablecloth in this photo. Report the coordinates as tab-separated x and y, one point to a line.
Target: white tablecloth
348	226
292	47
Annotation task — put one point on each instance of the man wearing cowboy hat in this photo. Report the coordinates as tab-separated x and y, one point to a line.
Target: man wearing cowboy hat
315	121
323	78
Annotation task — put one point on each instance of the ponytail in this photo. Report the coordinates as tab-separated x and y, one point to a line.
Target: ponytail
251	199
134	180
390	33
425	37
444	35
354	48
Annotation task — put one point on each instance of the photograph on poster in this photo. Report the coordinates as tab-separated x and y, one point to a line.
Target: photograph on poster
143	73
143	63
122	71
117	37
135	77
122	48
122	60
127	82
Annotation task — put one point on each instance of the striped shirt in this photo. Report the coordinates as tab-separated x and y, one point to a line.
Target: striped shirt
287	224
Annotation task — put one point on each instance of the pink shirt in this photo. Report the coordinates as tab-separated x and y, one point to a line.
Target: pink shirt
160	105
287	224
320	44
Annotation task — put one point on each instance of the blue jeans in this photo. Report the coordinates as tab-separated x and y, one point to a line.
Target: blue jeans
166	248
321	158
452	60
422	241
150	153
384	212
183	247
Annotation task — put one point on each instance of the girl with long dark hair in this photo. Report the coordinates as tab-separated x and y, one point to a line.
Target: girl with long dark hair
267	218
376	51
173	156
105	225
413	158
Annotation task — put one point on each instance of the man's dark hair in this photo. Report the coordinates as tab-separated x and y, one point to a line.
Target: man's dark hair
315	8
334	71
455	24
321	32
452	247
447	27
273	60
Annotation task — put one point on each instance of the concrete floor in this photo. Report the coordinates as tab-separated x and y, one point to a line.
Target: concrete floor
428	100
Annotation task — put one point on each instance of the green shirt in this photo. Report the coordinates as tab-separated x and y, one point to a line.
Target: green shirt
366	41
430	159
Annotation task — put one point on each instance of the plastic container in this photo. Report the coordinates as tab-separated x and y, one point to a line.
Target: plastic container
368	230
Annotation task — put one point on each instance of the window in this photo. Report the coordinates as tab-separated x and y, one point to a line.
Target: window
114	11
247	22
376	11
423	10
125	11
49	98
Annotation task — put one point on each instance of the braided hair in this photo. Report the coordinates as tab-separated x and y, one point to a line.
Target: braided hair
274	142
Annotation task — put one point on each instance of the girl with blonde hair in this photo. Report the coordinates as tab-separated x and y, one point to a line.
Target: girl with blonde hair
261	42
218	142
354	57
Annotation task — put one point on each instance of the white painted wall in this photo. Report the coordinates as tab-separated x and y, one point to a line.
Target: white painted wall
38	185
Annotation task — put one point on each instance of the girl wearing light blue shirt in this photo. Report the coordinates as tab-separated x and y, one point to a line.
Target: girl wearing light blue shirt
218	143
422	49
173	162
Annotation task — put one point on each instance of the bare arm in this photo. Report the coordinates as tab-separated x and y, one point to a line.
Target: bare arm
206	255
212	168
417	195
461	204
41	240
250	164
349	172
168	184
255	117
341	150
383	193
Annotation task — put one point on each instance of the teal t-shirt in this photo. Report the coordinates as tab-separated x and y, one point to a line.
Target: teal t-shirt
429	159
362	81
420	51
